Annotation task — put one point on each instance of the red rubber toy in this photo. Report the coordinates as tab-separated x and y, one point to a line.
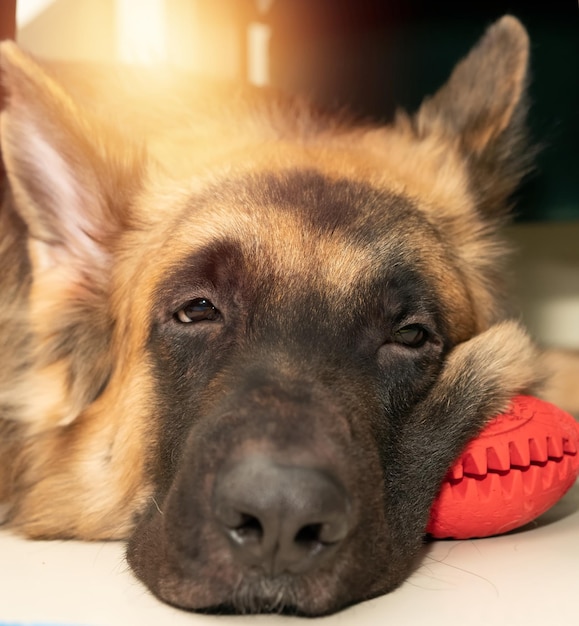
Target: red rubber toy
521	464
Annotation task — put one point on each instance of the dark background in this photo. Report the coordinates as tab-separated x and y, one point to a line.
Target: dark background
373	56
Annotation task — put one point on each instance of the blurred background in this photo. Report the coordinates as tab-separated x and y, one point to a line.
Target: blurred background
370	56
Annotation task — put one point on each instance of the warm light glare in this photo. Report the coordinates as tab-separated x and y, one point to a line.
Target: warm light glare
258	36
141	31
28	10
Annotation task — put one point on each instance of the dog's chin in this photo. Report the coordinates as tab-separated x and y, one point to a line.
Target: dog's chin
250	596
255	595
282	595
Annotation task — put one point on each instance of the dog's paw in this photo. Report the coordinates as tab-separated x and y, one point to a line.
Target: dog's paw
491	368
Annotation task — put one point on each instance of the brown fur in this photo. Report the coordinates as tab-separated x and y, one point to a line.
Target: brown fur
96	218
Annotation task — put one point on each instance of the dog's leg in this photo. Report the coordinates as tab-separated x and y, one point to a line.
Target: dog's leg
480	377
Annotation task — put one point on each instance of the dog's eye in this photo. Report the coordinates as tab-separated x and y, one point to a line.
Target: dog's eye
197	310
412	335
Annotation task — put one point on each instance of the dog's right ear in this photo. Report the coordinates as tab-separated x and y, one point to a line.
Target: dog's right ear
70	183
481	110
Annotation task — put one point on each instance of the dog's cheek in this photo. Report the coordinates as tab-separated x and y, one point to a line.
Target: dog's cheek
405	375
73	357
184	368
92	478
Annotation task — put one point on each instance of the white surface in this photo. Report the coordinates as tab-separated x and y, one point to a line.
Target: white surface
528	578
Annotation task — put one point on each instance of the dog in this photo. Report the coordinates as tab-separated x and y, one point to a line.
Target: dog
247	336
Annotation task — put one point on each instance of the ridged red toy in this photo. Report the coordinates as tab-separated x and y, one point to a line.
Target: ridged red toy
521	464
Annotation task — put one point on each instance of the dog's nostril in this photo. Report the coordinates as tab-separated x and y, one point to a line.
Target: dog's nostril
249	528
324	534
309	534
314	535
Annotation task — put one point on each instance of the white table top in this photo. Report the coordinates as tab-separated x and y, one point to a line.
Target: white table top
527	578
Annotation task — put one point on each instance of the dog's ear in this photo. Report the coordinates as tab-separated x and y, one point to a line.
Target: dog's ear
71	180
70	177
482	109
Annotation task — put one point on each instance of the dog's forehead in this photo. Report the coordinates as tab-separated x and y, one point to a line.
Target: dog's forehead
303	220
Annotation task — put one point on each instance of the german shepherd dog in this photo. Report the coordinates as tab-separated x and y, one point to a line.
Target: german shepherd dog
247	336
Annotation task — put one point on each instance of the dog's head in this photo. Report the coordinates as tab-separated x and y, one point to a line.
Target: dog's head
256	343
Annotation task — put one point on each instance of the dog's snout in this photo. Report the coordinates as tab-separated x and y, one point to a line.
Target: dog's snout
281	518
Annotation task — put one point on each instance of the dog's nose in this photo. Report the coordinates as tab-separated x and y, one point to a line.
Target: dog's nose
281	518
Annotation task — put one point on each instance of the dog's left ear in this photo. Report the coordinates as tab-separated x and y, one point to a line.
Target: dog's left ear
71	181
482	109
71	176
